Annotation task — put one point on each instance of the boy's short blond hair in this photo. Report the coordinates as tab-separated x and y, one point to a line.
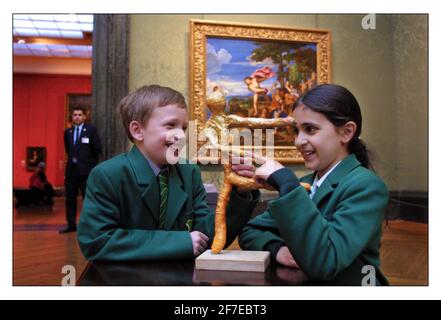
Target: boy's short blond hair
138	105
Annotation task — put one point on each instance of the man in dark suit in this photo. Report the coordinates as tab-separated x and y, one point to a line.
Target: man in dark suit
82	146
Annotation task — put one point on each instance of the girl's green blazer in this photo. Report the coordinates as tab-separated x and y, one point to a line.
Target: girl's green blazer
336	235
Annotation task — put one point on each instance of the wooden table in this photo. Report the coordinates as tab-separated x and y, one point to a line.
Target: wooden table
183	273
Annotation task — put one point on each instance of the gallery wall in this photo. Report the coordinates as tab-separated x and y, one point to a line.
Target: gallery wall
39	118
385	68
411	90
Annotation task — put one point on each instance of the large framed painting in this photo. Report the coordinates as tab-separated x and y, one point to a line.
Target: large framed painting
82	100
260	70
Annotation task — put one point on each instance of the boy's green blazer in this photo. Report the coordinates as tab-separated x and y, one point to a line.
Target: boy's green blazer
120	215
334	235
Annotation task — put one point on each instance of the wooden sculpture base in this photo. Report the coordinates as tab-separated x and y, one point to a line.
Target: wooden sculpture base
234	260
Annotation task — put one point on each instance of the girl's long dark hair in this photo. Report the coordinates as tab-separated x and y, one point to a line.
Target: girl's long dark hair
339	106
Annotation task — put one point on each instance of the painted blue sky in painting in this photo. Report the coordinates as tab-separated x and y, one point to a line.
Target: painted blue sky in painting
228	64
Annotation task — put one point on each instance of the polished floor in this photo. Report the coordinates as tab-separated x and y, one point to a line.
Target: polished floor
41	253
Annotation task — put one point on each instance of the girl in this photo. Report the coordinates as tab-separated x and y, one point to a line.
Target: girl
333	233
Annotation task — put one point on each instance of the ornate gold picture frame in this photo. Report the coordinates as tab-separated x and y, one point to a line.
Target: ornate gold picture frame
260	69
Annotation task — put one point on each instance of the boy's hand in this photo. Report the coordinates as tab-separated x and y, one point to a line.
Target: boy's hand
245	169
199	241
288	120
285	257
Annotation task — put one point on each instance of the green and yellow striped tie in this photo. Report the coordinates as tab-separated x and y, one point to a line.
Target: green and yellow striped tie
163	189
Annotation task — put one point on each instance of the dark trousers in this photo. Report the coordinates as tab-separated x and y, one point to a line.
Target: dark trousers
44	195
49	193
74	182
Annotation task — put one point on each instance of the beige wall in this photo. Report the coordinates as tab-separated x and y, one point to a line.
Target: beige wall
363	63
410	65
370	63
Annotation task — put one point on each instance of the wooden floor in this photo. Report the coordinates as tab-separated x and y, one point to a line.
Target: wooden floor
40	252
404	252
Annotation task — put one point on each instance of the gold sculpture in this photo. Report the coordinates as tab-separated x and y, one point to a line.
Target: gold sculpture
218	126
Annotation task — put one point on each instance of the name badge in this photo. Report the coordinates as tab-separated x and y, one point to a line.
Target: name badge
84	140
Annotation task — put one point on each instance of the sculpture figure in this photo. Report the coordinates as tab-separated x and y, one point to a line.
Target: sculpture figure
217	126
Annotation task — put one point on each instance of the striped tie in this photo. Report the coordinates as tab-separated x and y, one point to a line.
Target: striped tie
313	190
163	189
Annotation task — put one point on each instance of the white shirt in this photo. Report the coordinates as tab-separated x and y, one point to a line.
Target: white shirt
318	182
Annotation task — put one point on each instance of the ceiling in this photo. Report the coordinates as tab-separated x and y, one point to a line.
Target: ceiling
53	36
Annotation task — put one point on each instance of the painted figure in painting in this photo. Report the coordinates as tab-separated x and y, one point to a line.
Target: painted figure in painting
253	84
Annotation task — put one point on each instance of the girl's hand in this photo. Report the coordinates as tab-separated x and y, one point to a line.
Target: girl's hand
267	168
285	258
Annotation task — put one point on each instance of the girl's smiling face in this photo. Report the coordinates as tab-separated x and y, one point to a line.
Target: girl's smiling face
321	144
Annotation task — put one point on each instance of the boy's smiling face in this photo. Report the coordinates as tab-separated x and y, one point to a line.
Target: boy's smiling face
164	129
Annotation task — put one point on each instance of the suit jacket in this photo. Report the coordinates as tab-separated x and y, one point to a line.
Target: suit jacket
86	150
120	215
334	235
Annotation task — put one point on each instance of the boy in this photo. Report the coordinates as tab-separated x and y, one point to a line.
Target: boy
137	206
